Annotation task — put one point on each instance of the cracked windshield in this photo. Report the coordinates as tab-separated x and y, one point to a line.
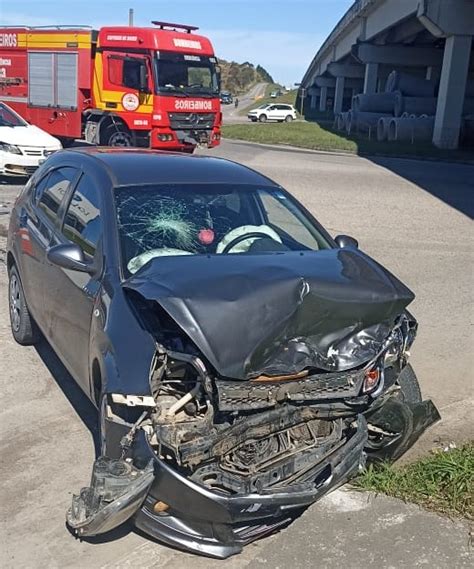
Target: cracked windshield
170	221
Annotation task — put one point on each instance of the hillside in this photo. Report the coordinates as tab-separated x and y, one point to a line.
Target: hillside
239	77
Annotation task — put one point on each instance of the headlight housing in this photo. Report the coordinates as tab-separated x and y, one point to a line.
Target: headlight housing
11	148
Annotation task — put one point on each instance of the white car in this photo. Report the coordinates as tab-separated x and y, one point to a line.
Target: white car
273	112
23	147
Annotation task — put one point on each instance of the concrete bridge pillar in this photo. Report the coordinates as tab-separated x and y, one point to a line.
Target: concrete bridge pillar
370	79
452	88
323	98
339	94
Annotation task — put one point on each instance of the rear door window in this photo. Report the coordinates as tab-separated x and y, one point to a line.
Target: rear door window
82	222
50	194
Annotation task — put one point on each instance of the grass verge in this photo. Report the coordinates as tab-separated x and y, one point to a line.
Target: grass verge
443	481
320	137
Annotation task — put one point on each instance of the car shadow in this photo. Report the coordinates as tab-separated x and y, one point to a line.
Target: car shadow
89	416
13	180
74	394
112	535
445	174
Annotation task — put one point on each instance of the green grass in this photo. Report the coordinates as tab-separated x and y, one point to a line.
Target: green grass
443	481
321	137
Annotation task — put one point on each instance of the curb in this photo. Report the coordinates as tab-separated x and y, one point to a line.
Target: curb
300	149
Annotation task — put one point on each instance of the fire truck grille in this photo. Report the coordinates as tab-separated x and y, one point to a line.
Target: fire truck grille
193	121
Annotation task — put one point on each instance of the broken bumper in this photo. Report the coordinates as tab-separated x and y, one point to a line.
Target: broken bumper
206	522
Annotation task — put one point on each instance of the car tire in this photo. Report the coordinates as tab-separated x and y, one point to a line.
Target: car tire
288	118
117	136
262	118
23	326
409	385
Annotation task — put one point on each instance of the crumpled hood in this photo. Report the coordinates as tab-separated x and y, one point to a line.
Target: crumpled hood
278	313
29	135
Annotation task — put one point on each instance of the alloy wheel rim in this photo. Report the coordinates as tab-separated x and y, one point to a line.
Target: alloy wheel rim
15	303
121	139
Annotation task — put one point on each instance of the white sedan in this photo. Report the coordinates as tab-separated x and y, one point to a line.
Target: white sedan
23	147
277	112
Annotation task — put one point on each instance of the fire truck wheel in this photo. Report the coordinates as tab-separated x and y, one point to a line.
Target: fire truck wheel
117	136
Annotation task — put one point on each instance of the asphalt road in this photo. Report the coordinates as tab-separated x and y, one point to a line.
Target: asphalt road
411	217
231	115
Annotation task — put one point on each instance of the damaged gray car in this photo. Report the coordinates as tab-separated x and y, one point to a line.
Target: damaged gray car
243	362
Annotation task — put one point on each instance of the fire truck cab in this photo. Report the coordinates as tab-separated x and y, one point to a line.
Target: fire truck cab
119	86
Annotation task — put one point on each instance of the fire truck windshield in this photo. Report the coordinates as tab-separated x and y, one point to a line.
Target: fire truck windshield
186	74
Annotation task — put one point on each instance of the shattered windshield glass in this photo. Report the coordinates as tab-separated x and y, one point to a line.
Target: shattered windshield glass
156	221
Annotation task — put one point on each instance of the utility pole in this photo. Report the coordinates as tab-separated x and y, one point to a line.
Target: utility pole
302	96
130	16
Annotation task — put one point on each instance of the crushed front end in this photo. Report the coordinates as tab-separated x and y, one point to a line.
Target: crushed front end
260	398
236	460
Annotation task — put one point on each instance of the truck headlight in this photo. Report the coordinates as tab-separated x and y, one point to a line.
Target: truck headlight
11	148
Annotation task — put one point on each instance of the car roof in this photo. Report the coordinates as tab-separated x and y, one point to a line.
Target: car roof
142	166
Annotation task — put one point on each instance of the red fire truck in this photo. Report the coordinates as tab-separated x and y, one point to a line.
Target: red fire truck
152	87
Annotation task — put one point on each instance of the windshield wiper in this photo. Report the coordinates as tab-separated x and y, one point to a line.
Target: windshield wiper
169	89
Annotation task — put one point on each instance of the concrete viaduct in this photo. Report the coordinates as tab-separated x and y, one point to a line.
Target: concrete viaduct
426	38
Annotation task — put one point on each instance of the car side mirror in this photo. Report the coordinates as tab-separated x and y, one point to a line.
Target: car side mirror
345	241
69	256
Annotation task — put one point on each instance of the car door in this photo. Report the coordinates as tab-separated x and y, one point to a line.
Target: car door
38	218
283	111
271	112
72	294
279	112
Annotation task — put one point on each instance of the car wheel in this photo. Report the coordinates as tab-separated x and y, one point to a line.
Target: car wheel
409	385
23	326
117	136
288	118
262	118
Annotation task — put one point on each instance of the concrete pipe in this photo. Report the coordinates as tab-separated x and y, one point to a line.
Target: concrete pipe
374	103
382	128
410	85
414	105
363	122
411	129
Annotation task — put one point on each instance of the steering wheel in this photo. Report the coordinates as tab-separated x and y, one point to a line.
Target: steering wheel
240	238
239	235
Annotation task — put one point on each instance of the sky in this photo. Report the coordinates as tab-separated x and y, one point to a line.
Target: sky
280	35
